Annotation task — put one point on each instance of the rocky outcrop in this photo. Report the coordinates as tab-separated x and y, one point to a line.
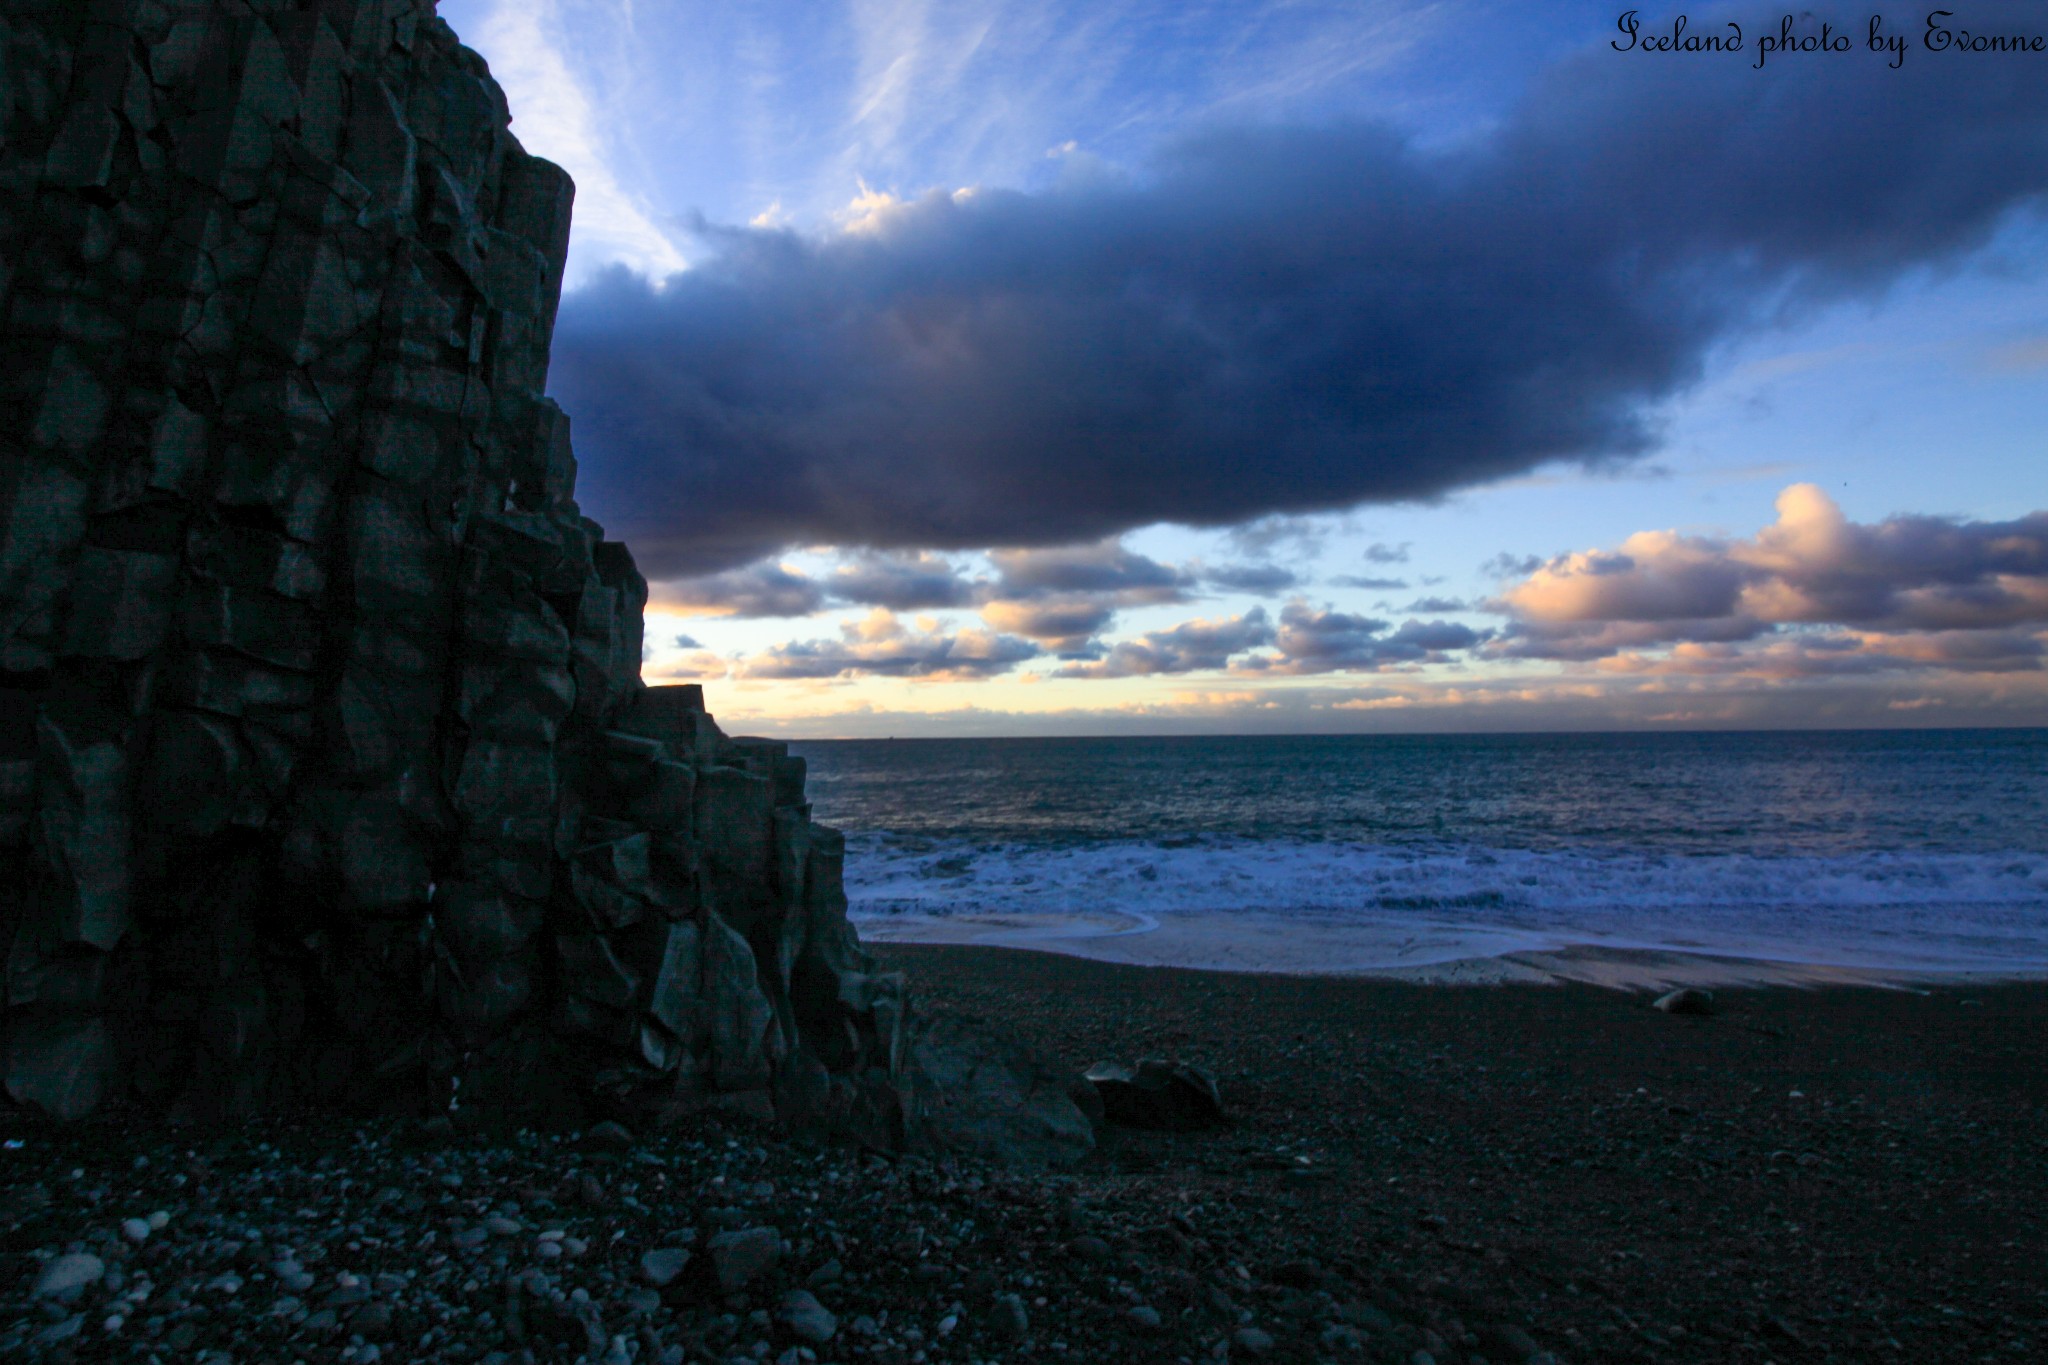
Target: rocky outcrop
326	770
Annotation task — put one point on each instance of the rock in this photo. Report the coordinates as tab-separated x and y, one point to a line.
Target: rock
68	1276
806	1317
1685	1000
991	1097
1091	1249
1253	1340
135	1230
1176	1096
1507	1342
661	1266
1144	1316
608	1136
738	1257
1007	1320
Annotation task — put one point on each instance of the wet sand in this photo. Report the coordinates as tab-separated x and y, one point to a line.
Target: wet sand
1416	950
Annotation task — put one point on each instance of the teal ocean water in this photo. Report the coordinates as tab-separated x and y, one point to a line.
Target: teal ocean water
1914	850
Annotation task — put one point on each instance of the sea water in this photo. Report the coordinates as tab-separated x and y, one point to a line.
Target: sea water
1921	851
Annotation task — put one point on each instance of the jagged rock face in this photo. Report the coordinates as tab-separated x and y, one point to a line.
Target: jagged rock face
326	771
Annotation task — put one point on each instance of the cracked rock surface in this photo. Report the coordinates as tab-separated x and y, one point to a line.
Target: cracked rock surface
327	775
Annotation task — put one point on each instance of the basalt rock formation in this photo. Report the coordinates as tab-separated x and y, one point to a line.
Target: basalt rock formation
326	770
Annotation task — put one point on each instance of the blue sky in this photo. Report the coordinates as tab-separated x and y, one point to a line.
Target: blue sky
976	260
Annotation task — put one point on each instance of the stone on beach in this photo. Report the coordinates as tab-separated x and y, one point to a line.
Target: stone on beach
1157	1093
1686	1000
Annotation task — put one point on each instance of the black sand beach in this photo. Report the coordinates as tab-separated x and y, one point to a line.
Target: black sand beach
1473	1173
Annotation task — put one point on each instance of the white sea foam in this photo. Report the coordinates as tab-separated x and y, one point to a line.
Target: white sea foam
1277	905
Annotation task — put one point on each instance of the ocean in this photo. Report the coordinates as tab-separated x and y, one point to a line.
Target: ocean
1917	851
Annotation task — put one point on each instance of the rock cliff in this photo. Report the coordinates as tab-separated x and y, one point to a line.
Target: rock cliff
326	770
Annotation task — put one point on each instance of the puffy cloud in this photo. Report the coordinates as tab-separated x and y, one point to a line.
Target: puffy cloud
1934	576
1064	595
1188	647
1064	625
1305	641
761	589
900	582
879	645
1313	641
1273	320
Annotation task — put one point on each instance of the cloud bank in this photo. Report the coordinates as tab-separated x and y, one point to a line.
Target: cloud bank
1818	592
1272	321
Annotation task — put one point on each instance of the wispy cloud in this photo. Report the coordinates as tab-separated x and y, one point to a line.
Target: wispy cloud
555	115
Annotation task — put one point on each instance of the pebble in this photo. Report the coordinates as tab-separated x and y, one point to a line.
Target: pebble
135	1230
159	1220
1253	1340
1145	1316
739	1256
68	1276
1089	1248
608	1136
1007	1318
661	1266
807	1318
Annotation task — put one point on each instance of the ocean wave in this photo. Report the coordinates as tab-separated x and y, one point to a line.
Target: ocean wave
1917	908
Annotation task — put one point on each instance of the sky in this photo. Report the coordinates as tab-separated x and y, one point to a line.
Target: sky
1180	367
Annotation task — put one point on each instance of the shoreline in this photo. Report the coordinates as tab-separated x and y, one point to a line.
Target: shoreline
1416	951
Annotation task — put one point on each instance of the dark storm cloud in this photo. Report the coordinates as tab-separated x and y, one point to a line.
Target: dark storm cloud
1275	320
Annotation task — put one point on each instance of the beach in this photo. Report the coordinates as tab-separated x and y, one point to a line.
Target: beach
1849	1173
1504	1173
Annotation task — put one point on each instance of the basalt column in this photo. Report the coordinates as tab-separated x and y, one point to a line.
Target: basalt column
326	771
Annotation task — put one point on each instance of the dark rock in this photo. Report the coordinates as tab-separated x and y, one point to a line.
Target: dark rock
801	1312
1686	1000
326	720
1158	1094
988	1096
738	1257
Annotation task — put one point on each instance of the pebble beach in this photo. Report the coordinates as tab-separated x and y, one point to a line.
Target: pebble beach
1412	1173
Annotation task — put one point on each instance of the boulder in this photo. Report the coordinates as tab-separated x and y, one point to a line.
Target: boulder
1155	1093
